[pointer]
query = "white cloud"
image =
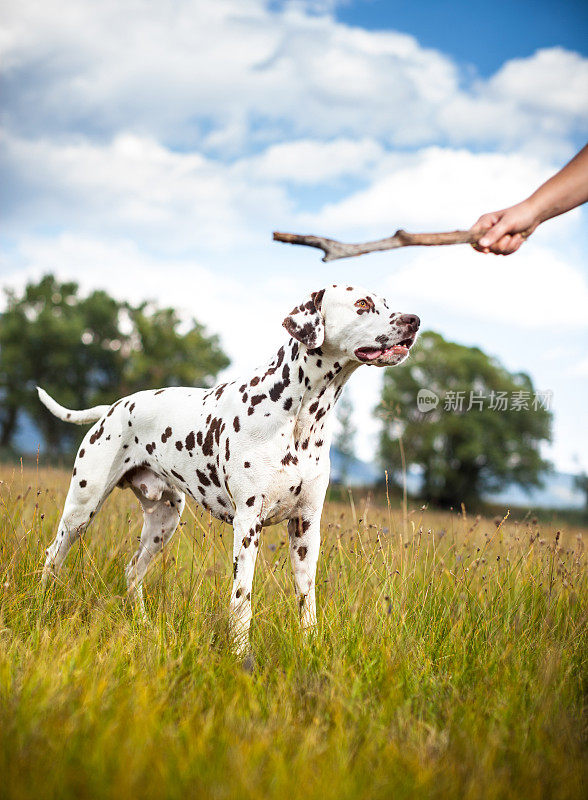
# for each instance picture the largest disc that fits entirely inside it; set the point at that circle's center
(437, 188)
(134, 185)
(308, 161)
(554, 80)
(536, 289)
(580, 369)
(236, 72)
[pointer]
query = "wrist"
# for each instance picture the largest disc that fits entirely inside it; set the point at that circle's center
(535, 210)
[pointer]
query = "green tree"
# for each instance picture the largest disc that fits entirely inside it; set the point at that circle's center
(344, 440)
(69, 345)
(162, 355)
(90, 350)
(462, 450)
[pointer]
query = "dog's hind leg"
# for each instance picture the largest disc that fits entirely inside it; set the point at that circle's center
(84, 498)
(162, 508)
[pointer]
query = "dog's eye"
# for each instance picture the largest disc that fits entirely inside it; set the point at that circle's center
(361, 304)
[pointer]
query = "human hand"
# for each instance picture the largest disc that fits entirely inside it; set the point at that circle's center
(503, 232)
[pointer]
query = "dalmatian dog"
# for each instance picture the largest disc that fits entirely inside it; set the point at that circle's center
(253, 452)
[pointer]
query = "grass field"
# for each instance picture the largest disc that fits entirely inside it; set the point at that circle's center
(450, 660)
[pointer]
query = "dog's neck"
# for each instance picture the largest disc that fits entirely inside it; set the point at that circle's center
(302, 382)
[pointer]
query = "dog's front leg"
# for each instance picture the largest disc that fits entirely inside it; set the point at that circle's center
(246, 531)
(305, 542)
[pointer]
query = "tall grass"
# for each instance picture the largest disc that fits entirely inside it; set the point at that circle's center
(450, 660)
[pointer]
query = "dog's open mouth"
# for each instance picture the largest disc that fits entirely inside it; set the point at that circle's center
(371, 354)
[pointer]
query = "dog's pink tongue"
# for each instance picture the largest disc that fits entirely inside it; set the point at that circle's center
(369, 354)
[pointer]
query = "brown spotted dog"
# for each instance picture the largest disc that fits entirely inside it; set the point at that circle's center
(253, 452)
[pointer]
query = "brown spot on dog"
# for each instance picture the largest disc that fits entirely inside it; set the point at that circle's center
(317, 299)
(112, 408)
(250, 501)
(213, 475)
(302, 551)
(236, 425)
(202, 478)
(276, 391)
(83, 483)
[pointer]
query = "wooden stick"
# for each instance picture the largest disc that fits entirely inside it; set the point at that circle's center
(334, 249)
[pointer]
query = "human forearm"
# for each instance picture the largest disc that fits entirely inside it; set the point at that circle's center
(565, 190)
(503, 232)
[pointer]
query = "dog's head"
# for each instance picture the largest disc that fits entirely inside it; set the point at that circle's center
(356, 323)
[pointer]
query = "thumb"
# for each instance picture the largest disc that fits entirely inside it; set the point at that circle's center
(495, 233)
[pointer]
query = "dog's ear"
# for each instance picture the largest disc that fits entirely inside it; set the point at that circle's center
(306, 322)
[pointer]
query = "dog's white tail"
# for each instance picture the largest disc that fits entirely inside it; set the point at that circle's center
(82, 417)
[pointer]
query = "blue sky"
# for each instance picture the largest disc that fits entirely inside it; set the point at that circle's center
(484, 35)
(151, 149)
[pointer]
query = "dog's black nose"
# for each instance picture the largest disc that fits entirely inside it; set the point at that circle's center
(411, 320)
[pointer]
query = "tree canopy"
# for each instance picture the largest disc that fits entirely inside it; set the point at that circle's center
(468, 423)
(90, 350)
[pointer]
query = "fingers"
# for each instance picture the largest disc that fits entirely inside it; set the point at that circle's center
(497, 232)
(506, 245)
(485, 222)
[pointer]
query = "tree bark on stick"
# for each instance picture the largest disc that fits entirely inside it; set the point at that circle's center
(334, 249)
